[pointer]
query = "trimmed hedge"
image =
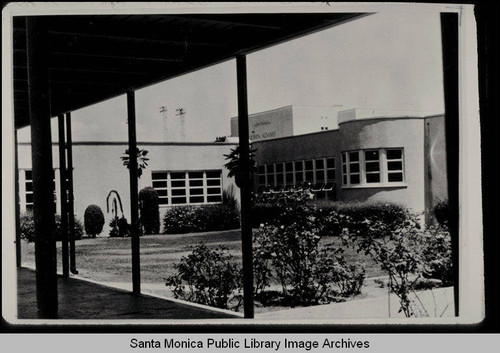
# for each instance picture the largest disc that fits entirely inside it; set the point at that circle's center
(28, 228)
(189, 219)
(93, 220)
(149, 211)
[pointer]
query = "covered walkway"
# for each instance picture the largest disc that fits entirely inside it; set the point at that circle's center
(82, 300)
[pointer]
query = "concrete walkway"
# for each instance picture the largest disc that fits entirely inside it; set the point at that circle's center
(83, 300)
(431, 303)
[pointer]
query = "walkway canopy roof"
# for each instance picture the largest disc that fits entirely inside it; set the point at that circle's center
(96, 57)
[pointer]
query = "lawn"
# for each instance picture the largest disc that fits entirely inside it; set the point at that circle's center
(107, 259)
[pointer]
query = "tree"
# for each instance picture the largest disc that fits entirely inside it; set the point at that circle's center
(142, 160)
(234, 165)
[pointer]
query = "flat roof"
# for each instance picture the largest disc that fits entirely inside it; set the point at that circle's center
(93, 58)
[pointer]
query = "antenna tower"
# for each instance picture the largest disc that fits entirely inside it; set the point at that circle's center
(181, 113)
(164, 110)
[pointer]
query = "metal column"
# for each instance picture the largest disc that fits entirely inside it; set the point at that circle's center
(71, 198)
(449, 33)
(64, 195)
(41, 154)
(245, 187)
(134, 203)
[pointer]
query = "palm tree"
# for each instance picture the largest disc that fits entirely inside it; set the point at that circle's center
(142, 160)
(234, 164)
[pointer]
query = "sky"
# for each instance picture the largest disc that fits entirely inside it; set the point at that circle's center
(389, 61)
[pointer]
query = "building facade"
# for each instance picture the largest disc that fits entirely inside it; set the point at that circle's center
(363, 156)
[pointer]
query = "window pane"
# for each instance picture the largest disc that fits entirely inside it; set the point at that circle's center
(196, 191)
(373, 178)
(213, 174)
(299, 177)
(262, 169)
(196, 199)
(279, 167)
(371, 155)
(279, 178)
(372, 166)
(354, 167)
(178, 175)
(298, 166)
(394, 154)
(344, 179)
(320, 164)
(262, 179)
(309, 165)
(177, 192)
(162, 192)
(309, 176)
(214, 199)
(344, 157)
(320, 175)
(354, 179)
(28, 175)
(395, 165)
(289, 166)
(29, 186)
(330, 163)
(344, 168)
(330, 174)
(353, 156)
(159, 184)
(212, 191)
(155, 175)
(163, 201)
(270, 168)
(213, 182)
(178, 200)
(195, 182)
(394, 177)
(29, 207)
(178, 183)
(29, 198)
(289, 178)
(196, 175)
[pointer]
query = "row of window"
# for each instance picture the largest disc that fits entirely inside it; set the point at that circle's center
(290, 173)
(188, 187)
(361, 167)
(28, 189)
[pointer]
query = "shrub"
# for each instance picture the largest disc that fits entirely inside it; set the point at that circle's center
(207, 276)
(93, 220)
(28, 228)
(442, 212)
(229, 198)
(186, 219)
(149, 211)
(119, 227)
(437, 255)
(308, 274)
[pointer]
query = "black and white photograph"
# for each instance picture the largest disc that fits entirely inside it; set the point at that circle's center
(241, 164)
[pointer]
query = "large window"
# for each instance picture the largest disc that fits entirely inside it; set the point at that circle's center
(188, 187)
(295, 173)
(28, 189)
(374, 167)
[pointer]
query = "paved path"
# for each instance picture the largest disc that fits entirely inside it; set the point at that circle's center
(80, 299)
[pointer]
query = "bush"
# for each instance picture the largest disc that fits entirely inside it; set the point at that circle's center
(119, 227)
(437, 255)
(149, 211)
(308, 274)
(212, 277)
(187, 219)
(28, 228)
(93, 220)
(442, 212)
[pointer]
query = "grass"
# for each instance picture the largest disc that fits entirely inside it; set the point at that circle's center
(109, 259)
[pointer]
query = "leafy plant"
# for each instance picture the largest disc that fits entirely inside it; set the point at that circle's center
(149, 211)
(93, 220)
(186, 219)
(115, 200)
(142, 160)
(442, 212)
(234, 164)
(207, 276)
(28, 228)
(437, 255)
